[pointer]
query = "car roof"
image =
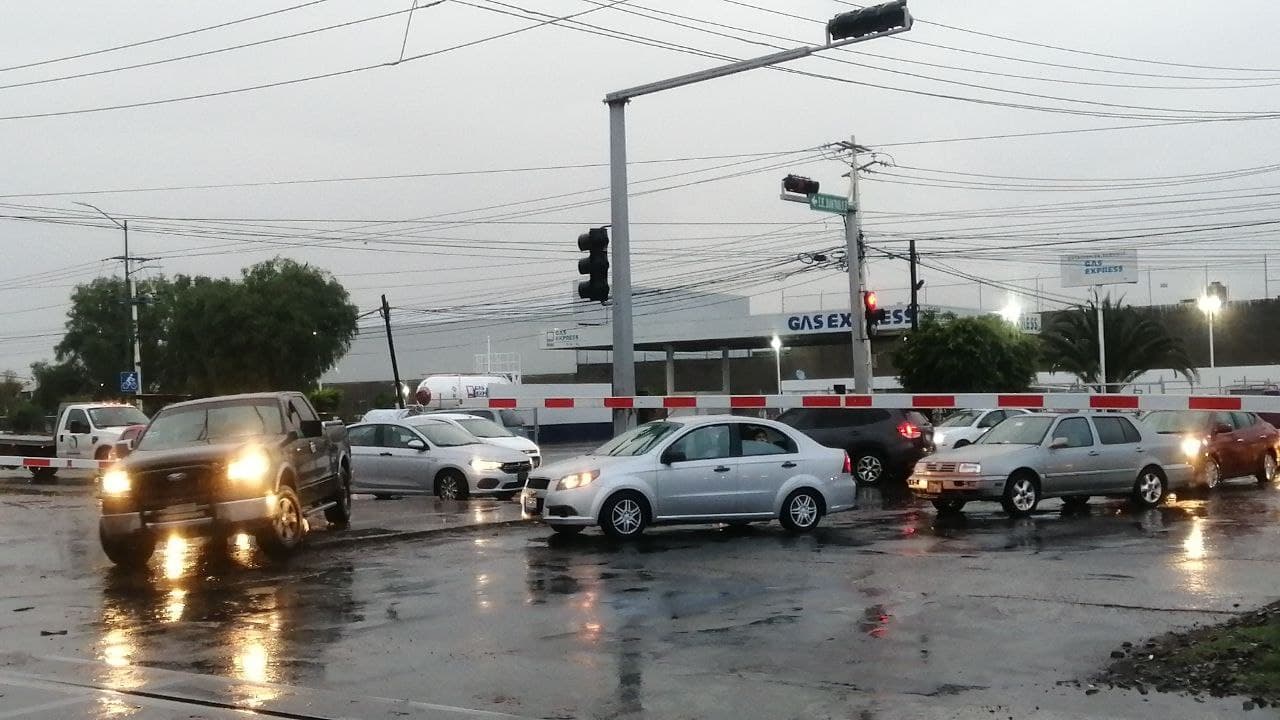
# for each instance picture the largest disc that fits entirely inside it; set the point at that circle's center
(231, 398)
(453, 416)
(723, 417)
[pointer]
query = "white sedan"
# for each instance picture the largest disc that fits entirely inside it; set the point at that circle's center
(964, 427)
(491, 433)
(703, 469)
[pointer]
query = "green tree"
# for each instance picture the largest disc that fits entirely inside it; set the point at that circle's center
(60, 381)
(971, 354)
(1136, 343)
(326, 401)
(97, 336)
(281, 326)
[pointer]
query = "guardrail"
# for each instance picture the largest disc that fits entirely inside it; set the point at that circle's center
(1030, 401)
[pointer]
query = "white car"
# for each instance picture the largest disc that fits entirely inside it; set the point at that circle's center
(701, 469)
(390, 414)
(964, 427)
(425, 456)
(490, 432)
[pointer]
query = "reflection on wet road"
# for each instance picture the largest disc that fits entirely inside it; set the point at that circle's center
(891, 611)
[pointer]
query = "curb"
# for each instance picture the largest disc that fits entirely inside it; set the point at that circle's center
(341, 538)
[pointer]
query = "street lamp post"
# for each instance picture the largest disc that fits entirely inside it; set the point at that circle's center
(133, 301)
(776, 344)
(845, 29)
(1210, 305)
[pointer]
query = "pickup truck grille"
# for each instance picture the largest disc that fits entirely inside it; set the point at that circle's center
(517, 467)
(160, 489)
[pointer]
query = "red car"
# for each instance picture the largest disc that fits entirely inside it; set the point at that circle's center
(1224, 444)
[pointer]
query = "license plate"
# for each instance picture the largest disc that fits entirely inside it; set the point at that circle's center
(935, 486)
(532, 504)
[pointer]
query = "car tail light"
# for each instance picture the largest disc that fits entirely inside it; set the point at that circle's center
(848, 465)
(908, 430)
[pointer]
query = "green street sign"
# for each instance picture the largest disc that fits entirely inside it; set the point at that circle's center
(829, 203)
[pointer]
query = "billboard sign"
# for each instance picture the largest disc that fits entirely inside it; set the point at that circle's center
(1103, 268)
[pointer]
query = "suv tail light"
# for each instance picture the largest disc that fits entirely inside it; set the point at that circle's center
(848, 465)
(908, 430)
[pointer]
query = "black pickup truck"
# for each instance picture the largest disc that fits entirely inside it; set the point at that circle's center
(257, 463)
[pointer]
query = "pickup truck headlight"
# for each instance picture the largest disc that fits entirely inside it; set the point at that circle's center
(251, 467)
(577, 480)
(116, 482)
(973, 468)
(485, 465)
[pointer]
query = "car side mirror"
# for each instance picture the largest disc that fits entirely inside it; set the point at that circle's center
(416, 444)
(311, 428)
(122, 449)
(673, 456)
(1058, 443)
(1221, 428)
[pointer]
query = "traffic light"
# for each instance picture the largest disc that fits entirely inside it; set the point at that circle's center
(871, 310)
(799, 185)
(871, 20)
(595, 265)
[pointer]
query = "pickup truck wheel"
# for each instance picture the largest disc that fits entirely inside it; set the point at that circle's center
(44, 474)
(340, 515)
(284, 533)
(133, 551)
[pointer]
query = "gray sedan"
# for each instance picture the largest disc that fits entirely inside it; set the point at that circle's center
(1072, 456)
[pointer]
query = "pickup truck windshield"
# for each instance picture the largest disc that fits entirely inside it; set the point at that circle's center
(212, 423)
(120, 416)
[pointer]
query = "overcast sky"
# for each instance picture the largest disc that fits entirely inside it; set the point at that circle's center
(532, 99)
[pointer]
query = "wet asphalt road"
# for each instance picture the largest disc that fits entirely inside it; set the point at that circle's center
(887, 612)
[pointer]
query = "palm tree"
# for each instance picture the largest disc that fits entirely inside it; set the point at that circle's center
(1135, 342)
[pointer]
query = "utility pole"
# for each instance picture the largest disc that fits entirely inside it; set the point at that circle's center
(853, 251)
(131, 291)
(915, 286)
(1266, 280)
(391, 347)
(624, 348)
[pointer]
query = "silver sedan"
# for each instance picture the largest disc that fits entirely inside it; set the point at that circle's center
(1072, 456)
(703, 469)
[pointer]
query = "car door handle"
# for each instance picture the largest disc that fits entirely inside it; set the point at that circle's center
(1239, 439)
(1094, 453)
(788, 464)
(1137, 449)
(722, 468)
(384, 454)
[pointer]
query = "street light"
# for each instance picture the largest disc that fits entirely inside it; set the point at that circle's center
(846, 29)
(1210, 305)
(1011, 312)
(130, 290)
(776, 344)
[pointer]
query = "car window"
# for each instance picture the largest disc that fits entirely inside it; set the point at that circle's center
(1021, 430)
(963, 418)
(395, 436)
(363, 436)
(301, 409)
(637, 441)
(762, 440)
(817, 418)
(1225, 418)
(77, 416)
(483, 428)
(704, 443)
(992, 418)
(441, 433)
(1176, 422)
(1243, 419)
(1076, 431)
(1111, 430)
(210, 423)
(1131, 433)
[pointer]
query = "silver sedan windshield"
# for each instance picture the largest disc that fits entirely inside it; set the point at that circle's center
(1021, 430)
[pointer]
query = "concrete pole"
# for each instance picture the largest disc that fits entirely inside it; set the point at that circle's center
(671, 370)
(724, 370)
(624, 366)
(1102, 341)
(853, 244)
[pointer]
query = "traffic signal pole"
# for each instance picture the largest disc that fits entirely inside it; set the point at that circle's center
(848, 28)
(853, 250)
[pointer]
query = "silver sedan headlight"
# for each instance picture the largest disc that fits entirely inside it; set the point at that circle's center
(973, 468)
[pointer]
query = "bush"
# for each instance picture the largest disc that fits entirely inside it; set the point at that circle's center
(26, 417)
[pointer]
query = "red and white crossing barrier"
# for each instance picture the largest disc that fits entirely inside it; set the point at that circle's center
(1033, 401)
(54, 463)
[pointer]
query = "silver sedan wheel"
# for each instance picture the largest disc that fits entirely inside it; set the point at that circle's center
(803, 510)
(1150, 488)
(870, 469)
(449, 487)
(627, 517)
(1024, 495)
